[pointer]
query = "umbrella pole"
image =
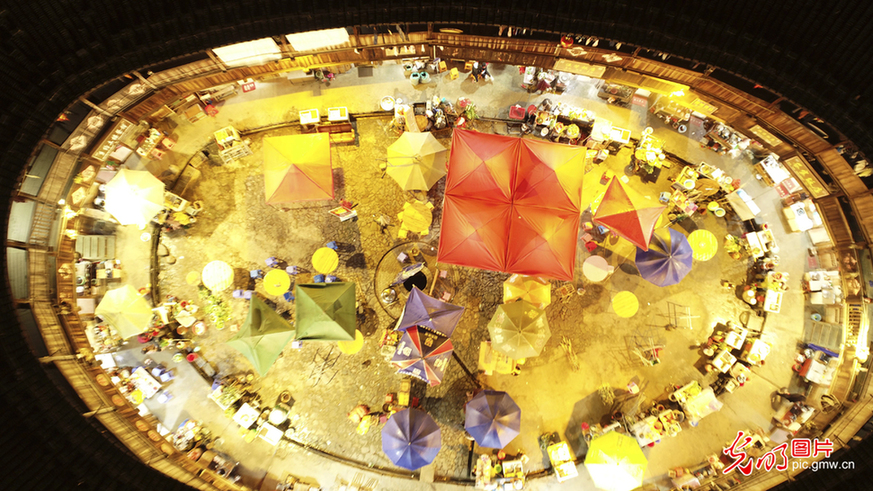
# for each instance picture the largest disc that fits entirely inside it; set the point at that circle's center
(466, 370)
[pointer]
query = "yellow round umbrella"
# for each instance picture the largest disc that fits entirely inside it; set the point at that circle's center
(625, 304)
(277, 282)
(534, 289)
(325, 260)
(416, 161)
(352, 347)
(703, 244)
(615, 462)
(192, 278)
(125, 310)
(134, 197)
(217, 276)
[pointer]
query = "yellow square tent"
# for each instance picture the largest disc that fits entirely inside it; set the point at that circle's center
(297, 168)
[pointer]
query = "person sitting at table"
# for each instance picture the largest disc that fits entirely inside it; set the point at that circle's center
(480, 70)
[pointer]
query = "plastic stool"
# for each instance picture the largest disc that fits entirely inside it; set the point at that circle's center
(256, 273)
(237, 294)
(288, 296)
(319, 278)
(453, 74)
(443, 66)
(664, 197)
(291, 270)
(468, 66)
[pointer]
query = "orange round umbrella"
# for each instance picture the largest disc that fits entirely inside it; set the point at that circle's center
(325, 260)
(277, 282)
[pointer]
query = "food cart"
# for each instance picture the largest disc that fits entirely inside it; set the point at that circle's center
(562, 461)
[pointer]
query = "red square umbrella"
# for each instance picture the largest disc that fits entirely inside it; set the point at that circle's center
(512, 205)
(628, 214)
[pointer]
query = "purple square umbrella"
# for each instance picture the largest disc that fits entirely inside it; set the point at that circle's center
(493, 419)
(422, 310)
(411, 439)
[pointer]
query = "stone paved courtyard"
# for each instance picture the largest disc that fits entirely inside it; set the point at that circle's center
(236, 226)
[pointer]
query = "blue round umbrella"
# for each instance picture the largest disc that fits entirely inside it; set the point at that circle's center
(411, 439)
(668, 259)
(493, 419)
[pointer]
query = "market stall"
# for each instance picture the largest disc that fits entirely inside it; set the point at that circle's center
(700, 405)
(562, 461)
(823, 287)
(771, 170)
(649, 157)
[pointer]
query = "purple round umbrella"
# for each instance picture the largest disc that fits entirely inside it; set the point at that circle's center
(668, 259)
(493, 419)
(411, 439)
(422, 310)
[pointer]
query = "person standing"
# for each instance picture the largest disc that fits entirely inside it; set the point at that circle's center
(784, 394)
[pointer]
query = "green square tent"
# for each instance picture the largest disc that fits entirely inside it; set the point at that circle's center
(262, 336)
(326, 312)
